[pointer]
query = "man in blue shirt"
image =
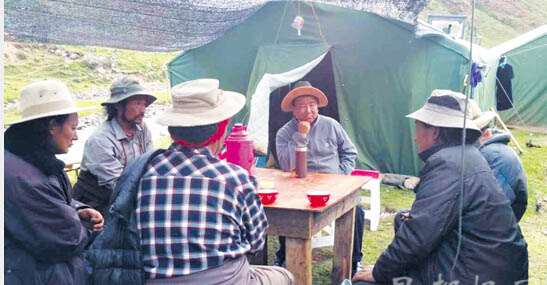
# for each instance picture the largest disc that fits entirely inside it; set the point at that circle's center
(329, 149)
(116, 142)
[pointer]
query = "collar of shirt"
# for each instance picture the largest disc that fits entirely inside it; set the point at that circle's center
(118, 131)
(190, 151)
(424, 155)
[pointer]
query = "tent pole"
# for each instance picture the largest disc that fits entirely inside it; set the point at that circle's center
(468, 94)
(507, 130)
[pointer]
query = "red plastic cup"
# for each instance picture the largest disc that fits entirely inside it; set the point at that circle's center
(267, 196)
(318, 198)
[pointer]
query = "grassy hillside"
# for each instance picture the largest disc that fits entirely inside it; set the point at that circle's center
(495, 21)
(85, 70)
(80, 68)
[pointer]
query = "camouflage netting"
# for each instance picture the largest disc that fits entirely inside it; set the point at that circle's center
(154, 25)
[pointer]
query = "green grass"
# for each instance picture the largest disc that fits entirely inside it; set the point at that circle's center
(532, 224)
(153, 64)
(41, 65)
(163, 97)
(28, 63)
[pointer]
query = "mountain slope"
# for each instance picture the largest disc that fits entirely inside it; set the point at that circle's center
(496, 21)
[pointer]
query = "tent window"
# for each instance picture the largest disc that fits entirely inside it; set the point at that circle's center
(321, 77)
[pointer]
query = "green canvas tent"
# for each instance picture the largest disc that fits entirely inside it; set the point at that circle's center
(528, 56)
(374, 71)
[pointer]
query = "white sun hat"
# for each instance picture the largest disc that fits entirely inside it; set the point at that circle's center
(44, 99)
(445, 108)
(200, 102)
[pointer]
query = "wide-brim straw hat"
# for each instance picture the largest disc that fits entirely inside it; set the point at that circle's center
(303, 88)
(45, 99)
(127, 87)
(200, 102)
(481, 119)
(445, 108)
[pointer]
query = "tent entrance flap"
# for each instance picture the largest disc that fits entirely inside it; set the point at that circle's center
(275, 67)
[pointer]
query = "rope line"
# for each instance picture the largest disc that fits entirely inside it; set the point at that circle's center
(281, 22)
(464, 136)
(318, 25)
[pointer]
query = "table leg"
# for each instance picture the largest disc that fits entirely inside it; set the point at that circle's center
(298, 259)
(343, 247)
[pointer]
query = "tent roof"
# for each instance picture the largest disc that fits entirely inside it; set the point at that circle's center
(379, 74)
(519, 41)
(480, 54)
(155, 25)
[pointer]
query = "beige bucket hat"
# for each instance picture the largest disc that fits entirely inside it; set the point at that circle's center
(481, 119)
(445, 108)
(44, 99)
(303, 88)
(200, 102)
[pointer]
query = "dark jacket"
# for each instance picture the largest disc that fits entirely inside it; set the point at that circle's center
(115, 256)
(508, 170)
(424, 247)
(44, 238)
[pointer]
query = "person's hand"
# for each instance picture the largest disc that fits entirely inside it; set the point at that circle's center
(364, 275)
(91, 219)
(304, 127)
(405, 216)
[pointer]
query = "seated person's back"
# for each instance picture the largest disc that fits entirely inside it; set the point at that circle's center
(195, 212)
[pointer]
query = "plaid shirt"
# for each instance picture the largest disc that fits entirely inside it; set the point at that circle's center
(195, 212)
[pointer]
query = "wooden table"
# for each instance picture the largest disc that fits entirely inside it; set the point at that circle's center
(292, 216)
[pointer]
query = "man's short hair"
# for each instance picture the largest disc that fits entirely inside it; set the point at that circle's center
(454, 136)
(195, 134)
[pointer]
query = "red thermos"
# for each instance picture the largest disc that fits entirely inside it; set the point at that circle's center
(240, 148)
